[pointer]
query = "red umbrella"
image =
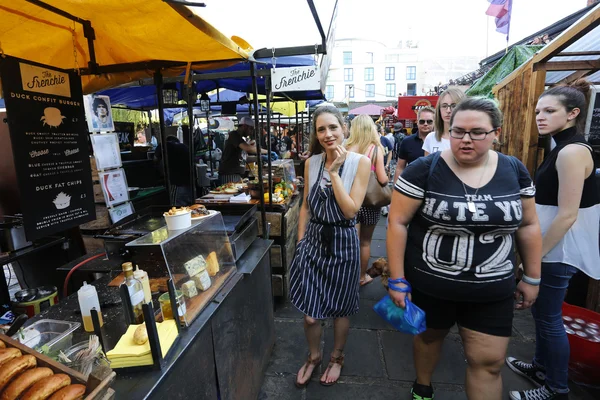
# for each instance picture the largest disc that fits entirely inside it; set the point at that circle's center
(369, 109)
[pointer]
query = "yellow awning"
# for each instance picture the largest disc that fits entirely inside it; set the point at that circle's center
(126, 31)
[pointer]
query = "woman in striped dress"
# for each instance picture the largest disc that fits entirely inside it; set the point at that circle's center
(324, 279)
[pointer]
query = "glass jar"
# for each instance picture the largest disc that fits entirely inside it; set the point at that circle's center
(165, 305)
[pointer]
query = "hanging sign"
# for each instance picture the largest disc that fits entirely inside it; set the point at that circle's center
(295, 79)
(45, 113)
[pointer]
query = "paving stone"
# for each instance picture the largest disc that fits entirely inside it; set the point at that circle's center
(511, 381)
(288, 311)
(398, 354)
(363, 357)
(373, 291)
(524, 324)
(290, 349)
(378, 248)
(346, 391)
(380, 233)
(367, 318)
(280, 387)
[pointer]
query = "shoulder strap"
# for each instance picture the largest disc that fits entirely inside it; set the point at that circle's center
(374, 155)
(434, 161)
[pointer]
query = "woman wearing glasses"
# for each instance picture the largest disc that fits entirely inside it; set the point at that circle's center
(439, 139)
(452, 221)
(567, 205)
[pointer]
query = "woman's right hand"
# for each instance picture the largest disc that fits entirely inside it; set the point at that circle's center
(399, 298)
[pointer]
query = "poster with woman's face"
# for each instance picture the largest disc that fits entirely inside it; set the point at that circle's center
(98, 113)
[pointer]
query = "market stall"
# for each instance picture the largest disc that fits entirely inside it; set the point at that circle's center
(572, 55)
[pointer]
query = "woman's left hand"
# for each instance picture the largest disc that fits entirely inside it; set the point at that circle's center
(526, 292)
(340, 153)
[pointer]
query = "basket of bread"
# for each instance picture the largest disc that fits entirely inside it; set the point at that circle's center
(28, 375)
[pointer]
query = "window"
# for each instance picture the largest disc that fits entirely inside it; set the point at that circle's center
(350, 91)
(348, 74)
(390, 90)
(329, 92)
(369, 74)
(411, 73)
(390, 73)
(411, 89)
(369, 58)
(392, 57)
(347, 57)
(370, 90)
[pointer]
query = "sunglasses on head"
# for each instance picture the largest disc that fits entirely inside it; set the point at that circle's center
(425, 121)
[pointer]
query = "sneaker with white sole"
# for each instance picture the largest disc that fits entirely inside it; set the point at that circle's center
(527, 370)
(541, 393)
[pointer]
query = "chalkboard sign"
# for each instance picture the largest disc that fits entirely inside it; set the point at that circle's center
(594, 125)
(126, 134)
(46, 120)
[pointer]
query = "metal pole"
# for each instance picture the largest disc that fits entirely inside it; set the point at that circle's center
(163, 131)
(297, 132)
(190, 111)
(258, 150)
(268, 103)
(301, 142)
(210, 161)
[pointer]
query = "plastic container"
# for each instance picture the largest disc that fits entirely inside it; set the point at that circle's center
(142, 276)
(179, 221)
(88, 299)
(47, 336)
(584, 362)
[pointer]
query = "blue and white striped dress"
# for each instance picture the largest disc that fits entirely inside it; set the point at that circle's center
(325, 272)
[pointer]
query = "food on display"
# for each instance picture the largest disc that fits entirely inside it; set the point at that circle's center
(71, 392)
(198, 211)
(195, 265)
(2, 345)
(46, 387)
(229, 188)
(212, 264)
(177, 211)
(276, 198)
(140, 336)
(8, 354)
(202, 280)
(24, 381)
(189, 289)
(15, 367)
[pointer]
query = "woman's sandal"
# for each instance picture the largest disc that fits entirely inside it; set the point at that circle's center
(334, 360)
(309, 361)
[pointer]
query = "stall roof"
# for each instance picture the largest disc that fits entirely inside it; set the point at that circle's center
(369, 109)
(132, 38)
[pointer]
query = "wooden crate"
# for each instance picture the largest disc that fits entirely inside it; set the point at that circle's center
(96, 389)
(593, 297)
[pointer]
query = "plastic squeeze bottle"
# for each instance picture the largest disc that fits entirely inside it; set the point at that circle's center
(88, 299)
(142, 276)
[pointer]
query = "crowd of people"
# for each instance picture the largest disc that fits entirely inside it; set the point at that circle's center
(459, 214)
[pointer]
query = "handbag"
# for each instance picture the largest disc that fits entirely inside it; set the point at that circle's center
(378, 195)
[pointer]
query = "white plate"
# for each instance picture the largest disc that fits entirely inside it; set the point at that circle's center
(210, 212)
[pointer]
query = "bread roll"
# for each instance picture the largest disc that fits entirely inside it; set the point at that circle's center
(14, 367)
(9, 354)
(47, 387)
(212, 264)
(71, 392)
(24, 381)
(2, 345)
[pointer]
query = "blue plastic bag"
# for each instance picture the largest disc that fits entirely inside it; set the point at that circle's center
(409, 320)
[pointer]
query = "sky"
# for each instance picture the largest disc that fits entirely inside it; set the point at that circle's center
(443, 27)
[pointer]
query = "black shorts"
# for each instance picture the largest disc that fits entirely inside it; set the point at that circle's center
(492, 318)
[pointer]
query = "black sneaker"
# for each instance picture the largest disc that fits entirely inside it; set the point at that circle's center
(527, 370)
(541, 393)
(421, 392)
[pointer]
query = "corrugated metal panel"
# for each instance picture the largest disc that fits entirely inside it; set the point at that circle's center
(594, 78)
(589, 42)
(556, 76)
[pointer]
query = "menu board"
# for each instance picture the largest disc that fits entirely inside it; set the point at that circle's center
(594, 120)
(46, 119)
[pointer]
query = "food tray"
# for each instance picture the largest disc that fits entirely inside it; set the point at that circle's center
(47, 335)
(96, 389)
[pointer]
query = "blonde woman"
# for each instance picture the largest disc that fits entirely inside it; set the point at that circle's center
(365, 140)
(439, 140)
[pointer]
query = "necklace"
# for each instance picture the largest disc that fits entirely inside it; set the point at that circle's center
(471, 203)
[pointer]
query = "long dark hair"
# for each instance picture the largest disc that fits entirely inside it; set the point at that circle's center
(571, 96)
(315, 147)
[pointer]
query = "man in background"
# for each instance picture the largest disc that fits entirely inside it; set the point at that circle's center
(411, 147)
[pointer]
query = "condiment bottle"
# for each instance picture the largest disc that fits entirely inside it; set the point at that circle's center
(142, 276)
(88, 299)
(136, 293)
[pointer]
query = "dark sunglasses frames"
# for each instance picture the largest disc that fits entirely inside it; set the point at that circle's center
(425, 121)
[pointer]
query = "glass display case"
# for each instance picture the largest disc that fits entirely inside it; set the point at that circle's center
(284, 169)
(198, 259)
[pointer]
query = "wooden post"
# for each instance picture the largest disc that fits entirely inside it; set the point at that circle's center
(530, 134)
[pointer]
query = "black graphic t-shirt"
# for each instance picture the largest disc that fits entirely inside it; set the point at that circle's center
(458, 251)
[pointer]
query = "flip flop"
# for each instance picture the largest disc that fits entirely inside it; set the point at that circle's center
(333, 360)
(315, 363)
(366, 281)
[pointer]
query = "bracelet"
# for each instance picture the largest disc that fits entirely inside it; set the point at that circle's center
(531, 281)
(392, 282)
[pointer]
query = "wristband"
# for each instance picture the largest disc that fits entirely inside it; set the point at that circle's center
(531, 281)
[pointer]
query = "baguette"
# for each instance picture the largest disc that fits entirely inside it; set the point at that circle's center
(24, 381)
(71, 392)
(2, 345)
(9, 354)
(14, 367)
(47, 387)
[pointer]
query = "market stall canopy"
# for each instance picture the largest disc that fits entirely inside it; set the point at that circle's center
(369, 109)
(131, 38)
